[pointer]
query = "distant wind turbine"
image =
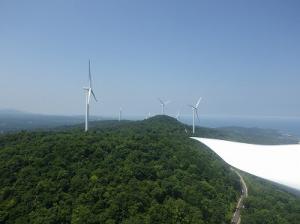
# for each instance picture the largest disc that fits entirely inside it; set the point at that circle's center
(120, 114)
(163, 104)
(178, 115)
(88, 92)
(148, 115)
(195, 111)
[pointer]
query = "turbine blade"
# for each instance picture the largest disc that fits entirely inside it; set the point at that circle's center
(197, 115)
(89, 96)
(160, 100)
(198, 102)
(90, 76)
(94, 95)
(189, 105)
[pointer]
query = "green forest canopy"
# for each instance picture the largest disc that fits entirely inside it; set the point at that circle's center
(124, 172)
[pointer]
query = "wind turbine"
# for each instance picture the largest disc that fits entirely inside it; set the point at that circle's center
(178, 115)
(148, 115)
(120, 114)
(88, 92)
(195, 111)
(163, 104)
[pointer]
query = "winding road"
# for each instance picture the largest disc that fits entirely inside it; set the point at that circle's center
(236, 219)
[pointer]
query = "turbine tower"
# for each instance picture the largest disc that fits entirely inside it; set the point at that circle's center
(88, 92)
(120, 114)
(163, 104)
(195, 112)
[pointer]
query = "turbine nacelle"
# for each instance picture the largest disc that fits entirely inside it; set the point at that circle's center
(164, 102)
(195, 108)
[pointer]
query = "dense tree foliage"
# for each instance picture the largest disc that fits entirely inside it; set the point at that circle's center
(131, 172)
(269, 203)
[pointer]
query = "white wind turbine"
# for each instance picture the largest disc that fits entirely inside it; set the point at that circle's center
(195, 112)
(148, 115)
(88, 92)
(120, 114)
(163, 104)
(178, 115)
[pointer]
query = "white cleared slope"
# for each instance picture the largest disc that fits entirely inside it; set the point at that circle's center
(278, 163)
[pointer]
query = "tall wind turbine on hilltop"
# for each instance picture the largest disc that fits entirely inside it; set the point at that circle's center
(195, 112)
(163, 104)
(88, 92)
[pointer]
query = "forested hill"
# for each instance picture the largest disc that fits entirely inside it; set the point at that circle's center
(128, 172)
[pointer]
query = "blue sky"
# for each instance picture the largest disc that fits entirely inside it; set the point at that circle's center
(241, 56)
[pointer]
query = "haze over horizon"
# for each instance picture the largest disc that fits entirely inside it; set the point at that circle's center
(241, 57)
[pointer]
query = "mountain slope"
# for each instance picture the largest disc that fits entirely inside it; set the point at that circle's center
(133, 172)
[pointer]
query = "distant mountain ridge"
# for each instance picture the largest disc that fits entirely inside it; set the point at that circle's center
(11, 112)
(14, 120)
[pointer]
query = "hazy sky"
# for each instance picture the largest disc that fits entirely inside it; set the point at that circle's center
(242, 57)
